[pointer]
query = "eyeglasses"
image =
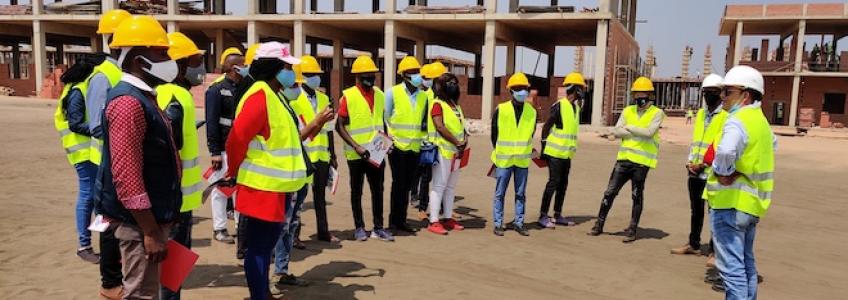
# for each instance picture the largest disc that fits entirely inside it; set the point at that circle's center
(728, 90)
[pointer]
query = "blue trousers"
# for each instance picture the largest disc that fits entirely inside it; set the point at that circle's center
(734, 232)
(503, 176)
(260, 240)
(86, 171)
(282, 251)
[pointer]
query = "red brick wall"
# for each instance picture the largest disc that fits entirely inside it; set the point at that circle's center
(22, 87)
(825, 9)
(784, 10)
(779, 89)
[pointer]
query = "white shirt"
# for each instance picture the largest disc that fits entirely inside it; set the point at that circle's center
(734, 139)
(137, 82)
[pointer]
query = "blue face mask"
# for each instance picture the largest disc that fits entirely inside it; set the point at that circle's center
(734, 108)
(242, 71)
(416, 79)
(313, 81)
(286, 78)
(520, 95)
(291, 93)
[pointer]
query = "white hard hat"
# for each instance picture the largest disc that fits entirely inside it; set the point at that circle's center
(712, 80)
(746, 77)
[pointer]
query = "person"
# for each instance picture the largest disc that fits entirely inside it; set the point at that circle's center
(513, 127)
(638, 127)
(423, 174)
(360, 119)
(708, 124)
(266, 159)
(405, 110)
(136, 187)
(244, 84)
(220, 110)
(689, 115)
(559, 143)
(739, 190)
(446, 127)
(72, 124)
(176, 101)
(222, 60)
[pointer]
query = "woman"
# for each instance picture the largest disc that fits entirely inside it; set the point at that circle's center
(446, 128)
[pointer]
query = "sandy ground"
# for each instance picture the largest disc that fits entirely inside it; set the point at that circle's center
(799, 242)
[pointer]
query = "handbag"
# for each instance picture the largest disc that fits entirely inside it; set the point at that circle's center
(428, 154)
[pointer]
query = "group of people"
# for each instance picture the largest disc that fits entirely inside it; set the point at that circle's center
(127, 122)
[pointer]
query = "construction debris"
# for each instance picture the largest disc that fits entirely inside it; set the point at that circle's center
(6, 91)
(15, 10)
(466, 9)
(524, 9)
(158, 7)
(82, 8)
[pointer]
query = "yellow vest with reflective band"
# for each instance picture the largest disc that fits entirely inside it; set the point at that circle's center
(219, 79)
(513, 146)
(77, 146)
(113, 73)
(405, 122)
(562, 143)
(702, 137)
(640, 150)
(751, 192)
(191, 182)
(454, 122)
(319, 148)
(364, 123)
(275, 164)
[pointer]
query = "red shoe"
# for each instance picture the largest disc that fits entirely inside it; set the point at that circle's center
(437, 228)
(452, 224)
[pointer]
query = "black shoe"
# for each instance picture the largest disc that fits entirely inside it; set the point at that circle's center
(521, 230)
(499, 231)
(597, 229)
(87, 254)
(630, 235)
(291, 280)
(718, 287)
(298, 244)
(403, 227)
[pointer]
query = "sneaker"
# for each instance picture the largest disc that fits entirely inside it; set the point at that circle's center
(684, 250)
(360, 234)
(87, 254)
(630, 235)
(329, 238)
(290, 280)
(499, 230)
(561, 220)
(521, 230)
(452, 224)
(437, 228)
(545, 222)
(223, 236)
(298, 244)
(382, 234)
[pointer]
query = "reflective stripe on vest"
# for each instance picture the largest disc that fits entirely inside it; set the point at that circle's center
(513, 146)
(636, 149)
(703, 135)
(191, 180)
(405, 121)
(318, 149)
(454, 122)
(77, 146)
(364, 122)
(562, 142)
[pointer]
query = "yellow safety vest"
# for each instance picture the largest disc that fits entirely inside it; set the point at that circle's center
(191, 182)
(562, 143)
(77, 146)
(513, 146)
(113, 74)
(702, 137)
(454, 122)
(640, 150)
(751, 192)
(219, 79)
(364, 123)
(275, 164)
(405, 122)
(319, 148)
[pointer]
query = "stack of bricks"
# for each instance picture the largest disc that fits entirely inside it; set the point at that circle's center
(15, 9)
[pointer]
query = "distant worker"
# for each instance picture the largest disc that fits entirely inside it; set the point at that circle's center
(360, 119)
(689, 115)
(559, 143)
(740, 187)
(638, 127)
(513, 127)
(225, 68)
(421, 182)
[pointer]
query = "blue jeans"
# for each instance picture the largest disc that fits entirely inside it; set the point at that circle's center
(260, 239)
(734, 233)
(86, 171)
(282, 250)
(503, 176)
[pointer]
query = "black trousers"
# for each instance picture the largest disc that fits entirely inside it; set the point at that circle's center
(421, 186)
(403, 164)
(319, 193)
(622, 172)
(359, 169)
(696, 203)
(557, 185)
(180, 233)
(110, 259)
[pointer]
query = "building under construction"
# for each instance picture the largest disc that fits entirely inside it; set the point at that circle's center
(37, 39)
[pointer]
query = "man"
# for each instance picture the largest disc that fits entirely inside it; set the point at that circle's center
(421, 182)
(740, 186)
(708, 124)
(221, 105)
(559, 142)
(513, 127)
(176, 101)
(405, 112)
(360, 119)
(638, 127)
(225, 55)
(137, 186)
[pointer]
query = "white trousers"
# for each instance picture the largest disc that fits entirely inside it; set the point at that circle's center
(442, 190)
(219, 203)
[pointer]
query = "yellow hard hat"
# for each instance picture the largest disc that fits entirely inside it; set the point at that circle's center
(309, 65)
(298, 73)
(517, 79)
(574, 78)
(180, 46)
(363, 64)
(250, 53)
(111, 19)
(433, 70)
(139, 31)
(229, 51)
(408, 63)
(642, 84)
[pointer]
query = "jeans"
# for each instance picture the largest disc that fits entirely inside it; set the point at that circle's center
(503, 175)
(403, 164)
(558, 170)
(180, 233)
(359, 169)
(442, 194)
(282, 251)
(696, 202)
(421, 186)
(734, 233)
(86, 171)
(110, 259)
(319, 192)
(261, 238)
(622, 172)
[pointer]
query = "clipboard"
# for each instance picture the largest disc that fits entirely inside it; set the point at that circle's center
(177, 265)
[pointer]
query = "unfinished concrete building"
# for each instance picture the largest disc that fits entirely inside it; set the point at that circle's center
(477, 28)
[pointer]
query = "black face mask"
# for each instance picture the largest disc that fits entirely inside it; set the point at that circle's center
(452, 91)
(577, 90)
(712, 99)
(641, 101)
(368, 81)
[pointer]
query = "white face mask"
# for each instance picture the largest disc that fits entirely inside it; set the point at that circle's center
(166, 70)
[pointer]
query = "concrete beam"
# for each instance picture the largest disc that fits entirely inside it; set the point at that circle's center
(173, 7)
(488, 92)
(737, 43)
(66, 29)
(600, 72)
(299, 40)
(389, 49)
(362, 41)
(796, 80)
(15, 30)
(274, 30)
(39, 52)
(446, 39)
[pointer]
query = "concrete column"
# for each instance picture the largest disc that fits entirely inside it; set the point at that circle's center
(297, 6)
(510, 57)
(96, 46)
(737, 44)
(299, 40)
(799, 45)
(391, 7)
(600, 72)
(252, 34)
(173, 27)
(338, 68)
(252, 7)
(420, 51)
(796, 80)
(488, 92)
(389, 49)
(107, 5)
(491, 6)
(173, 7)
(219, 47)
(604, 5)
(338, 5)
(37, 8)
(39, 54)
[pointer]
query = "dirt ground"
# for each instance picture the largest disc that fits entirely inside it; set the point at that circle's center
(799, 243)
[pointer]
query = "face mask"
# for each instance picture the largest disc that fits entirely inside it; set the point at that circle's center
(195, 75)
(520, 95)
(577, 91)
(165, 71)
(291, 93)
(313, 81)
(286, 78)
(452, 91)
(242, 71)
(641, 101)
(367, 81)
(428, 83)
(712, 99)
(415, 79)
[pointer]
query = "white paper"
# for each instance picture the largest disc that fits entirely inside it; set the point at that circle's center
(219, 174)
(378, 147)
(333, 182)
(99, 224)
